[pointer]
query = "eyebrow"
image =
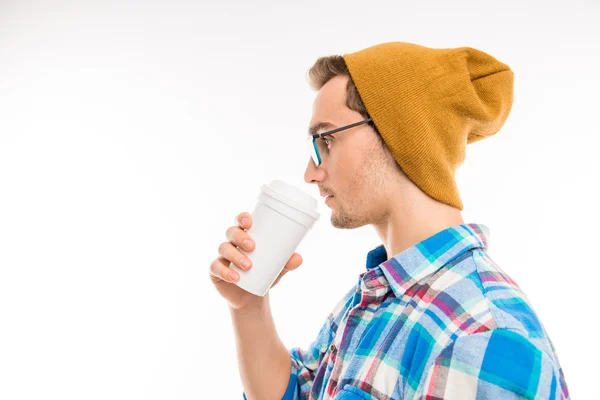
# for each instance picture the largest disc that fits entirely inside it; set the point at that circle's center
(313, 130)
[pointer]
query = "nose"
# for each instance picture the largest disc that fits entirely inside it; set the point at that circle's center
(313, 174)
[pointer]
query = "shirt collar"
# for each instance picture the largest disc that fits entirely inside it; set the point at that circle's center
(422, 260)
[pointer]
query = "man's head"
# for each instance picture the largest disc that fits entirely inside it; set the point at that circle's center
(357, 168)
(425, 106)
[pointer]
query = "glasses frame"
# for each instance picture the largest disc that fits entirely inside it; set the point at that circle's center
(316, 155)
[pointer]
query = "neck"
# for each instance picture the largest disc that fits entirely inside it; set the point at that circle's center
(413, 220)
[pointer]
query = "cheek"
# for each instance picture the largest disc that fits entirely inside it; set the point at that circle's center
(352, 161)
(347, 168)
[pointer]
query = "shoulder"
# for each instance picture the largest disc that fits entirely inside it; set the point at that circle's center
(478, 285)
(500, 363)
(509, 305)
(476, 295)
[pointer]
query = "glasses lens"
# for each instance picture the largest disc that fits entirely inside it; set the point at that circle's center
(322, 148)
(314, 152)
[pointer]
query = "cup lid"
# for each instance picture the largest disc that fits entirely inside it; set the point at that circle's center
(293, 196)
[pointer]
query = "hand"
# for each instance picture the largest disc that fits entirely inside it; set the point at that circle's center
(222, 276)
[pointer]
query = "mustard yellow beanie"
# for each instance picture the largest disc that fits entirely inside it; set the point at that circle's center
(428, 104)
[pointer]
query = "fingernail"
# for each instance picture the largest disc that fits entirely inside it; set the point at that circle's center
(247, 244)
(233, 275)
(246, 263)
(245, 221)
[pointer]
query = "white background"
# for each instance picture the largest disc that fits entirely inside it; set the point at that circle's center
(132, 133)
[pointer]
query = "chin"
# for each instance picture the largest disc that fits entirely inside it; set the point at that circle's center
(342, 221)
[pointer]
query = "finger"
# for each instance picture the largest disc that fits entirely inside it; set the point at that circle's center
(244, 220)
(229, 252)
(220, 269)
(240, 238)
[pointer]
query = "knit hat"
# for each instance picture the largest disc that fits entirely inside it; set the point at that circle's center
(428, 104)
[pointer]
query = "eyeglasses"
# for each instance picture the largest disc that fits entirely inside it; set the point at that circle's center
(318, 147)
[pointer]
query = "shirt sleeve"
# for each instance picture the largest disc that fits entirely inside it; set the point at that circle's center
(497, 364)
(306, 361)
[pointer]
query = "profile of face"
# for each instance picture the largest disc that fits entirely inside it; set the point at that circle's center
(355, 169)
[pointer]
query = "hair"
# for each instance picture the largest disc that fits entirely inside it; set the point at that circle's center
(328, 67)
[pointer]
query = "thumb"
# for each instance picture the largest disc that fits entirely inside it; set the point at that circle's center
(294, 262)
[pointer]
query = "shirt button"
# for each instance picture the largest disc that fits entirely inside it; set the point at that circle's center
(332, 348)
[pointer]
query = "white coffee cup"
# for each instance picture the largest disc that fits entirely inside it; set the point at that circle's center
(282, 217)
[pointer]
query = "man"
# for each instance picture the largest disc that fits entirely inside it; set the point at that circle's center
(433, 316)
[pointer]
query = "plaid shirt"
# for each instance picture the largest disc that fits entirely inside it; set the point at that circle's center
(439, 320)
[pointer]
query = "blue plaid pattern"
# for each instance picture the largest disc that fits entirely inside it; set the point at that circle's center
(439, 320)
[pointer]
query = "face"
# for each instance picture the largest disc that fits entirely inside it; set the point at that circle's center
(355, 167)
